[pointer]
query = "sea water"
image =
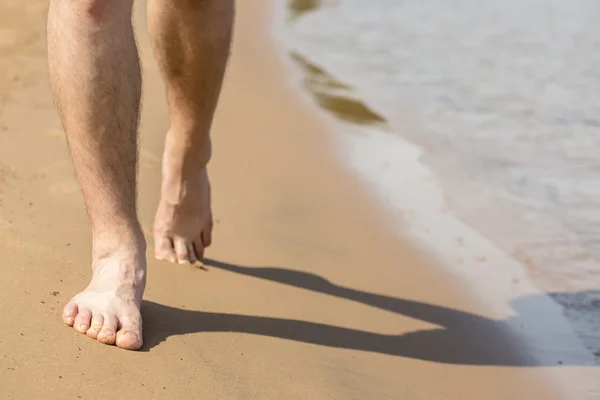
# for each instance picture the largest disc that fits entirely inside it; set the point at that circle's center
(485, 109)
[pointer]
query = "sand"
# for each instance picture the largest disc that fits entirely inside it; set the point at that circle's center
(306, 294)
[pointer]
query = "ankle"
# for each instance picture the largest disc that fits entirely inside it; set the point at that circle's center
(118, 240)
(186, 151)
(120, 258)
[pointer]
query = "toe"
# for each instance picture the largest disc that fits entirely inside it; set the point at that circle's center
(163, 249)
(109, 330)
(199, 247)
(96, 326)
(207, 235)
(129, 336)
(192, 253)
(83, 320)
(181, 250)
(70, 313)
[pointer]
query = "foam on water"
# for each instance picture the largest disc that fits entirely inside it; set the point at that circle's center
(477, 122)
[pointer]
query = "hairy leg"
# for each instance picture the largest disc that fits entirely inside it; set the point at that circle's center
(96, 80)
(191, 39)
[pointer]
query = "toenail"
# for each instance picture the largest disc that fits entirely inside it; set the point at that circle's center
(131, 335)
(69, 320)
(82, 326)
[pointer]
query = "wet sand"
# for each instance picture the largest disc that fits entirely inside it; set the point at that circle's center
(305, 295)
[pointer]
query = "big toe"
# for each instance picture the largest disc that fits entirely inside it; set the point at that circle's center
(129, 336)
(129, 340)
(163, 249)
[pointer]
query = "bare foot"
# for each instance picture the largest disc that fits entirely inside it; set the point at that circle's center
(183, 222)
(109, 308)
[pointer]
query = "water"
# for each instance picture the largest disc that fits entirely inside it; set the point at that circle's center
(502, 99)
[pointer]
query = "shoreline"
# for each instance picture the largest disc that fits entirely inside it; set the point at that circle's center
(440, 205)
(306, 294)
(425, 221)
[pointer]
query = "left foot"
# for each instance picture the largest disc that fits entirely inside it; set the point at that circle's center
(183, 222)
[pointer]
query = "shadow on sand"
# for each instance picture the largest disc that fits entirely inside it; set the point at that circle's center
(462, 338)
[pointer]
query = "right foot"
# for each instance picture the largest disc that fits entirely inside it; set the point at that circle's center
(108, 310)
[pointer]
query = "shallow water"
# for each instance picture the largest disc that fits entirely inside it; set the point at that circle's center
(503, 99)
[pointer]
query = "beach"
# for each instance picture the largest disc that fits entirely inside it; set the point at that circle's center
(306, 293)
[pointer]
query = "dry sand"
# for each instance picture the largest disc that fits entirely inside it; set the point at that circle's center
(306, 295)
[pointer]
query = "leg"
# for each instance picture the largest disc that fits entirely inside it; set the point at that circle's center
(191, 39)
(95, 76)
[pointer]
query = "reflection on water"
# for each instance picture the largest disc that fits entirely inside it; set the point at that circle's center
(322, 86)
(300, 7)
(318, 76)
